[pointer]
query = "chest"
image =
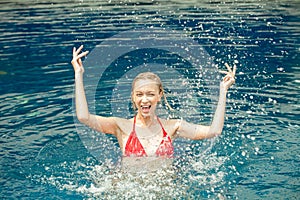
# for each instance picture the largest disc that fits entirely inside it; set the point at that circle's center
(149, 137)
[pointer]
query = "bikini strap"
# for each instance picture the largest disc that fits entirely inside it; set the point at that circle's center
(164, 132)
(134, 121)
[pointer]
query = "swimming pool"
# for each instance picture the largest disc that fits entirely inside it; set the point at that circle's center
(257, 156)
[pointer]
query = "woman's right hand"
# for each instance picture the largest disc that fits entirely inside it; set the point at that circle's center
(76, 61)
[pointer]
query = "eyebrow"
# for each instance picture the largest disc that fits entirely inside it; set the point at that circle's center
(149, 91)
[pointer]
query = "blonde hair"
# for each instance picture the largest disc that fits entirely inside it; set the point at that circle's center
(153, 77)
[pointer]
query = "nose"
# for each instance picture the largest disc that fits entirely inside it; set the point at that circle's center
(144, 98)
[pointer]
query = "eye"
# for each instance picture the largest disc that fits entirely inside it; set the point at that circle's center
(151, 94)
(139, 94)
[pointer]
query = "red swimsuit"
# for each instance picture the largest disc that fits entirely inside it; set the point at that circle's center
(135, 148)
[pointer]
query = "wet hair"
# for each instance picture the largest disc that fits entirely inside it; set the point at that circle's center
(152, 77)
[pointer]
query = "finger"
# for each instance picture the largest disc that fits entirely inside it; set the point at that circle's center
(229, 80)
(83, 54)
(79, 49)
(234, 69)
(228, 67)
(229, 76)
(223, 72)
(232, 79)
(225, 79)
(74, 52)
(80, 62)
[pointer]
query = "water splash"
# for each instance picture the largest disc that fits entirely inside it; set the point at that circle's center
(193, 175)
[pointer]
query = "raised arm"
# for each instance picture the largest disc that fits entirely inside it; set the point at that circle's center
(102, 124)
(197, 132)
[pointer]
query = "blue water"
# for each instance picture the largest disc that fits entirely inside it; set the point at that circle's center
(43, 155)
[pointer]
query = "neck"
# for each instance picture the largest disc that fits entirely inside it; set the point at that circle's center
(146, 120)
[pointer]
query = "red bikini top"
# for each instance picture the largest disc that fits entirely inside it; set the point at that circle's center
(135, 148)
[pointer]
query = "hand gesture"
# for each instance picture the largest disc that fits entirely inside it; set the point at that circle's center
(76, 61)
(229, 79)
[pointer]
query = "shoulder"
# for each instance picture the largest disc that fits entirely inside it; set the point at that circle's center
(124, 125)
(171, 122)
(121, 121)
(171, 125)
(109, 125)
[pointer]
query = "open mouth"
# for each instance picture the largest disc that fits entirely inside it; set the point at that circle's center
(146, 108)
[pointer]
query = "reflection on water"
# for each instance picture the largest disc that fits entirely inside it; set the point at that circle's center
(256, 156)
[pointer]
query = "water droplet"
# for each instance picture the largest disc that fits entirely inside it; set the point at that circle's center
(243, 153)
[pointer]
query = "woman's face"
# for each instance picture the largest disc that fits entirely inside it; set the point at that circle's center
(146, 95)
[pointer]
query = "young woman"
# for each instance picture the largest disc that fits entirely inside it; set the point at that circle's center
(146, 135)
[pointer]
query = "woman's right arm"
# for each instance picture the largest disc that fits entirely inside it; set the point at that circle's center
(102, 124)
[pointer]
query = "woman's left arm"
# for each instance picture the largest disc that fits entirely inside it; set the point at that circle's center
(197, 132)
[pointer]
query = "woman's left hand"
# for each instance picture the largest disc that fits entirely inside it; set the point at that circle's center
(229, 78)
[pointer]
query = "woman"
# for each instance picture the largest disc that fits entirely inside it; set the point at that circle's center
(146, 135)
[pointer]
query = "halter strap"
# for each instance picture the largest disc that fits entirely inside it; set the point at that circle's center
(134, 121)
(164, 132)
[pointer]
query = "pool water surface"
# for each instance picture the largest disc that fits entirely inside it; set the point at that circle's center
(46, 154)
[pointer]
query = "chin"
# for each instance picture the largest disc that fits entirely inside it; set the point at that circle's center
(145, 115)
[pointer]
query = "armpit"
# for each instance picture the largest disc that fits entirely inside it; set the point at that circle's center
(177, 126)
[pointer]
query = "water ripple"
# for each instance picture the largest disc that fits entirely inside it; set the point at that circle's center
(261, 131)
